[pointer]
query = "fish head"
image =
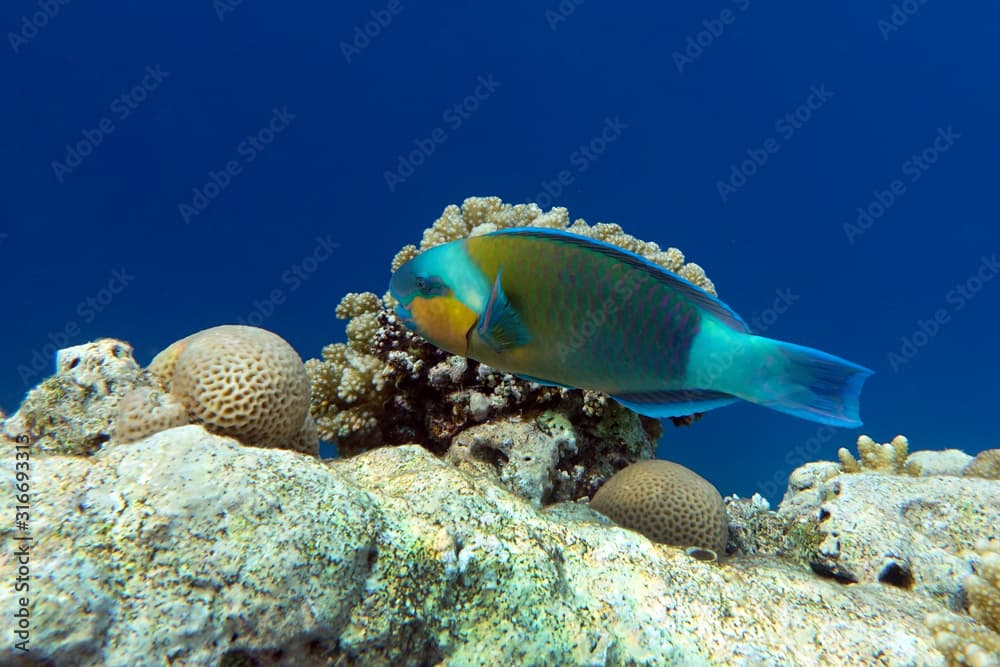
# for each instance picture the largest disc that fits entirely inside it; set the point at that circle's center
(427, 290)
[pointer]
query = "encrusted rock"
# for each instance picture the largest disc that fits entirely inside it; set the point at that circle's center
(911, 532)
(72, 412)
(928, 463)
(190, 549)
(525, 455)
(187, 548)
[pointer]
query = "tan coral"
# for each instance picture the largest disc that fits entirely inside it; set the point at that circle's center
(888, 457)
(963, 643)
(240, 381)
(960, 640)
(983, 588)
(986, 464)
(667, 503)
(145, 411)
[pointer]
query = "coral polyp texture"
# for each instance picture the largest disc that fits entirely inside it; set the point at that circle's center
(964, 642)
(244, 382)
(983, 588)
(386, 385)
(145, 411)
(667, 503)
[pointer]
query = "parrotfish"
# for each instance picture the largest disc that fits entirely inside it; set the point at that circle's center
(565, 310)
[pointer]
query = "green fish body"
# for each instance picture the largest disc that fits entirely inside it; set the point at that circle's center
(566, 310)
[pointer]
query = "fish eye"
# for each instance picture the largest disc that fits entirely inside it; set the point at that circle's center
(430, 285)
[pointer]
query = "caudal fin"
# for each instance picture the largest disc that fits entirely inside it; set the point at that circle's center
(808, 383)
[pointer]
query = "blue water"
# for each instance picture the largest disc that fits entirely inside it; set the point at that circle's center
(745, 134)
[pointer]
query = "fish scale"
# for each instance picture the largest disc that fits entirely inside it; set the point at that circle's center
(562, 297)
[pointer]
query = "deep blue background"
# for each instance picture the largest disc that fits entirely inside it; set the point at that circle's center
(324, 176)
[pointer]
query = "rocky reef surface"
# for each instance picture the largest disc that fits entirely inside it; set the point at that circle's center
(192, 548)
(189, 548)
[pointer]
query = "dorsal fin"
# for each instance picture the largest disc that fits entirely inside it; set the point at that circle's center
(690, 291)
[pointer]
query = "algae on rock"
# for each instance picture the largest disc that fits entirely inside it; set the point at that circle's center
(396, 557)
(72, 411)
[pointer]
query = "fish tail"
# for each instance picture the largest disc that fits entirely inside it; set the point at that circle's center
(806, 383)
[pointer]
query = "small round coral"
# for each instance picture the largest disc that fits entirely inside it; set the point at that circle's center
(244, 382)
(145, 411)
(667, 503)
(986, 464)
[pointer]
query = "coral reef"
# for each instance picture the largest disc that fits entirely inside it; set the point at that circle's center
(986, 464)
(188, 548)
(244, 382)
(72, 411)
(667, 503)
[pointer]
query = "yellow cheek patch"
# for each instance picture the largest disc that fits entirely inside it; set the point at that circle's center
(444, 321)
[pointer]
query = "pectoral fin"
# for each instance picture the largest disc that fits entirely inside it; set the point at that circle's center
(500, 326)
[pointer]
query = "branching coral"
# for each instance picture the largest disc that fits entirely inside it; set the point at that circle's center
(983, 588)
(385, 385)
(872, 457)
(964, 642)
(480, 215)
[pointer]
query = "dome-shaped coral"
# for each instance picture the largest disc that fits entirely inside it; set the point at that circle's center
(243, 382)
(667, 503)
(145, 411)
